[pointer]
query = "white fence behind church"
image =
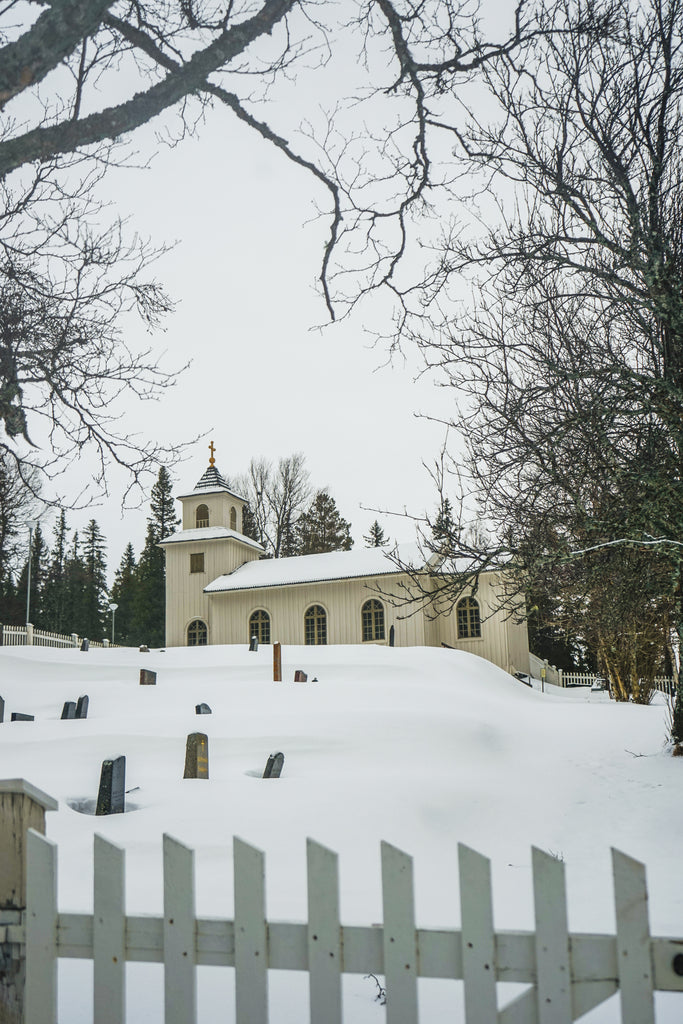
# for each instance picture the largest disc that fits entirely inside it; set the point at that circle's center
(22, 636)
(568, 974)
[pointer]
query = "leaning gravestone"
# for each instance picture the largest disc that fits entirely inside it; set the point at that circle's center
(300, 677)
(111, 797)
(202, 709)
(82, 706)
(274, 766)
(69, 709)
(2, 709)
(85, 645)
(148, 677)
(17, 716)
(197, 756)
(253, 644)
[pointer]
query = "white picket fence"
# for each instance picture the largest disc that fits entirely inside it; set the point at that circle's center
(22, 636)
(568, 974)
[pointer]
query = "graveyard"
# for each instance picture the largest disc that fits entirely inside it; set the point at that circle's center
(421, 747)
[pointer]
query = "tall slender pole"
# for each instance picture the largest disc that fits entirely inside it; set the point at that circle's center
(28, 584)
(112, 609)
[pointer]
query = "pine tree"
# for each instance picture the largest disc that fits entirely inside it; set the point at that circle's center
(38, 556)
(321, 528)
(54, 596)
(677, 716)
(444, 530)
(375, 537)
(123, 593)
(150, 593)
(96, 603)
(75, 589)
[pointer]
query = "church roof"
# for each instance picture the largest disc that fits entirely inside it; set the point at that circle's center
(210, 533)
(333, 565)
(211, 482)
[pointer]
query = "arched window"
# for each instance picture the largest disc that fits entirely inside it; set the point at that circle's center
(202, 516)
(469, 622)
(315, 625)
(233, 518)
(197, 634)
(372, 618)
(259, 626)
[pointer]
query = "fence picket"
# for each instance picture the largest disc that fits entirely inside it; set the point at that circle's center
(109, 933)
(400, 947)
(478, 942)
(324, 935)
(552, 940)
(41, 930)
(251, 939)
(634, 956)
(180, 986)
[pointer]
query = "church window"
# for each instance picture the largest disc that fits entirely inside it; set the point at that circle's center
(469, 621)
(202, 516)
(372, 617)
(233, 518)
(197, 562)
(259, 626)
(197, 634)
(315, 625)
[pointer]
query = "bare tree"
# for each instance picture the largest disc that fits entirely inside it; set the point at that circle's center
(277, 495)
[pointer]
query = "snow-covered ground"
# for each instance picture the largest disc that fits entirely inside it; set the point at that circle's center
(422, 747)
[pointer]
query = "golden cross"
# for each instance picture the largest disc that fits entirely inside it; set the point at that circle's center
(212, 461)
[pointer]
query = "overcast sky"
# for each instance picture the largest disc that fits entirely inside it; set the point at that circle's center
(266, 379)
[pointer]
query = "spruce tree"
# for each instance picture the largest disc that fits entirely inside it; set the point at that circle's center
(677, 716)
(54, 595)
(96, 603)
(150, 594)
(444, 530)
(321, 528)
(375, 537)
(123, 593)
(38, 556)
(75, 589)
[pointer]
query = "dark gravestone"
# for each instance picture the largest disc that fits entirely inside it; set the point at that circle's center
(69, 709)
(197, 756)
(147, 677)
(253, 644)
(274, 766)
(17, 716)
(202, 709)
(144, 649)
(392, 636)
(2, 709)
(111, 797)
(82, 706)
(300, 677)
(85, 645)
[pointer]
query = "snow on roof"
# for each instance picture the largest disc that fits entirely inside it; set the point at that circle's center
(334, 565)
(210, 482)
(210, 533)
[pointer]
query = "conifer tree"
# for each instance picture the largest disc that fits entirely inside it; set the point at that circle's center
(96, 604)
(444, 529)
(150, 594)
(75, 589)
(54, 596)
(123, 593)
(375, 537)
(38, 556)
(321, 528)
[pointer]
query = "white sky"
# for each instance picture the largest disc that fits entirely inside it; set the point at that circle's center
(264, 380)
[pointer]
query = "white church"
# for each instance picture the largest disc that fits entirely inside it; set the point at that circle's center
(220, 590)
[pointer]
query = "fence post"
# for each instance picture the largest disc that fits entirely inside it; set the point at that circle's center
(22, 806)
(29, 634)
(75, 640)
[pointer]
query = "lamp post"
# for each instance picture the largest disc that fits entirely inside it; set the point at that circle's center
(32, 523)
(112, 609)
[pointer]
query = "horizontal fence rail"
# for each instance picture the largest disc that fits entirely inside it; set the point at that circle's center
(568, 974)
(22, 636)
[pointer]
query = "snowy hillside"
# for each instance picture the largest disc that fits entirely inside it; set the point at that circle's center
(422, 747)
